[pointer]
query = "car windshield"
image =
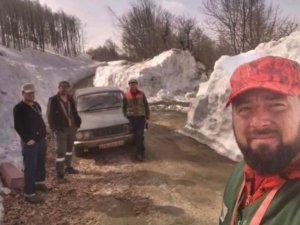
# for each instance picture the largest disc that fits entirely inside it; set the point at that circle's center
(99, 101)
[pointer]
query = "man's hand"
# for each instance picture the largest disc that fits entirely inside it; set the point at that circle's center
(31, 142)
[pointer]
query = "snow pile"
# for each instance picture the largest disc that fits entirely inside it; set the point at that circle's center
(208, 120)
(45, 70)
(168, 76)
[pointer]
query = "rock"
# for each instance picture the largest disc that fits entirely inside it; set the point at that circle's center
(12, 177)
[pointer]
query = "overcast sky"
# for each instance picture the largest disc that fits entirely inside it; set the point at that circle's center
(100, 25)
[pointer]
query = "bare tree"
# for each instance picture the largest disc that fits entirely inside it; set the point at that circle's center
(108, 52)
(185, 27)
(25, 23)
(203, 48)
(146, 29)
(165, 31)
(246, 23)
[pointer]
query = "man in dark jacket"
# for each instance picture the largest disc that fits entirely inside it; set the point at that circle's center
(135, 107)
(31, 128)
(64, 121)
(264, 188)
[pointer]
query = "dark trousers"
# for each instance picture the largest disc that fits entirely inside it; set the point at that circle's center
(34, 158)
(138, 125)
(64, 149)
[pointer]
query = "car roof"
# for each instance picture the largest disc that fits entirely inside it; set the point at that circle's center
(91, 90)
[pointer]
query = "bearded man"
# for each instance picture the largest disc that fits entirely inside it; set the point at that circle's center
(265, 188)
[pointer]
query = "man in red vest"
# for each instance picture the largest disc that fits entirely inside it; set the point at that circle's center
(135, 107)
(264, 188)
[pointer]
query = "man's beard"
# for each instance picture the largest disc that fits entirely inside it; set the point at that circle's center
(267, 162)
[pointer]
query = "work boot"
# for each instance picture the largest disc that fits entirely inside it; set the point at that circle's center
(34, 199)
(143, 154)
(139, 157)
(71, 170)
(41, 187)
(61, 180)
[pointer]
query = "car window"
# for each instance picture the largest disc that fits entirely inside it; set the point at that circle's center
(98, 101)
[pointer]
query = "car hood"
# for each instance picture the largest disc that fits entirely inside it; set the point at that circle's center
(102, 118)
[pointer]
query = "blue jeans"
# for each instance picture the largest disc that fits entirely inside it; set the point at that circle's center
(34, 158)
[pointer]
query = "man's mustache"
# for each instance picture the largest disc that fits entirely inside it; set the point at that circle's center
(262, 132)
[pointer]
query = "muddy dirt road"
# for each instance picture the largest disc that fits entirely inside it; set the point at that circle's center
(180, 183)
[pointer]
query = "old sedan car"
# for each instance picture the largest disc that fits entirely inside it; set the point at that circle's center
(103, 122)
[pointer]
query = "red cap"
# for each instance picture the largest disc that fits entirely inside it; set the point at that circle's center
(272, 73)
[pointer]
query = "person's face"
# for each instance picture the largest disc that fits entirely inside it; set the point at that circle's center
(133, 86)
(266, 128)
(28, 97)
(64, 89)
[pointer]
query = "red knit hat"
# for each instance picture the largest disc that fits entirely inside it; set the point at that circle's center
(277, 74)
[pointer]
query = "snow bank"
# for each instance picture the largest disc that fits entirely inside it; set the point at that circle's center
(208, 120)
(168, 76)
(45, 70)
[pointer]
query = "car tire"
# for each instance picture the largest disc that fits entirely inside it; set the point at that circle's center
(79, 151)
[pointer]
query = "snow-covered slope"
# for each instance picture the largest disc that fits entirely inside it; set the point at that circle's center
(45, 70)
(208, 120)
(172, 75)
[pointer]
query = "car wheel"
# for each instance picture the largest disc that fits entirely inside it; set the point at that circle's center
(79, 151)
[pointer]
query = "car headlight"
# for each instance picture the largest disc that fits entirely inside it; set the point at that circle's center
(87, 134)
(79, 135)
